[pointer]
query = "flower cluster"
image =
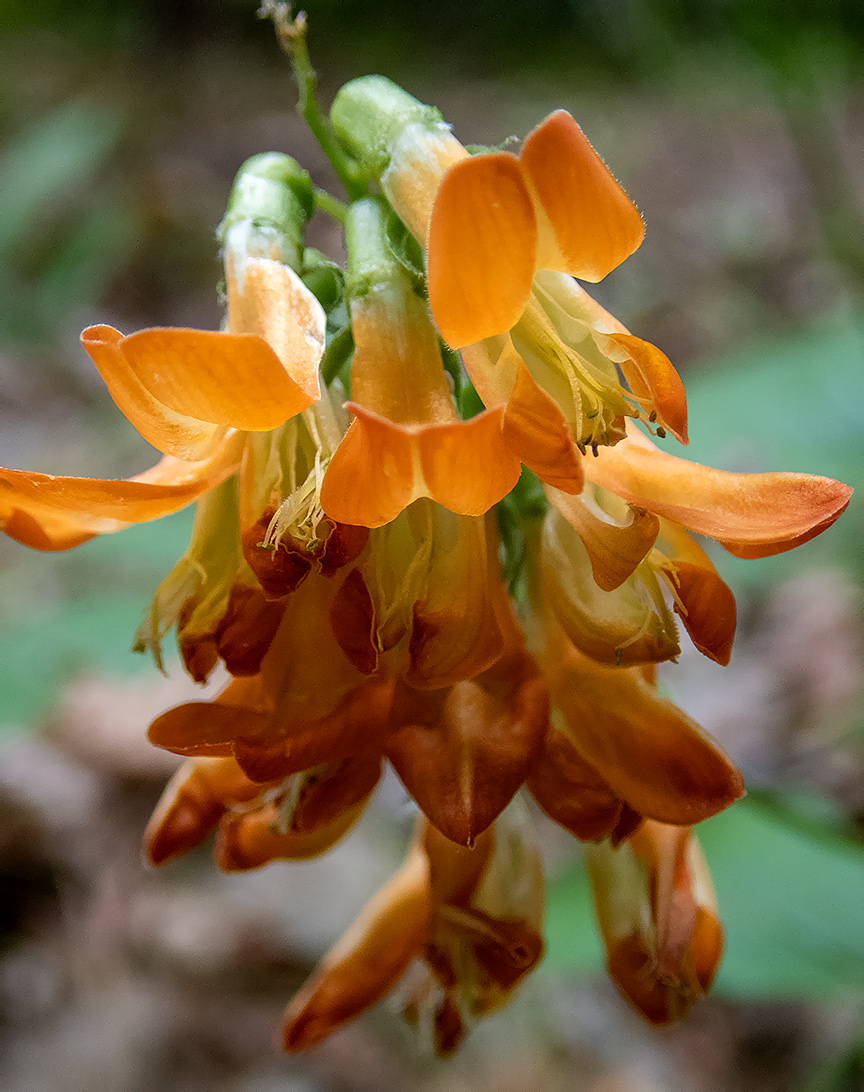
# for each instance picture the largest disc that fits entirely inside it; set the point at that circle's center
(433, 529)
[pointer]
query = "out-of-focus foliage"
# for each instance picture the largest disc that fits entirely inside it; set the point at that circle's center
(790, 897)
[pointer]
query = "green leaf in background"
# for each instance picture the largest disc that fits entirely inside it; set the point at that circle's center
(792, 905)
(50, 157)
(102, 590)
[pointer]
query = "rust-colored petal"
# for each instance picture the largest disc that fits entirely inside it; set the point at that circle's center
(702, 600)
(330, 790)
(246, 630)
(235, 380)
(537, 432)
(587, 223)
(656, 909)
(752, 515)
(572, 792)
(651, 375)
(49, 512)
(651, 753)
(368, 961)
(251, 839)
(464, 753)
(206, 727)
(614, 548)
(193, 802)
(481, 249)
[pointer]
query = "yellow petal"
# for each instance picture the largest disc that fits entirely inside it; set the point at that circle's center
(628, 625)
(587, 223)
(481, 249)
(48, 512)
(752, 515)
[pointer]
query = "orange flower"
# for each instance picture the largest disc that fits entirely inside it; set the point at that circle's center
(308, 705)
(658, 916)
(405, 441)
(629, 528)
(651, 755)
(258, 823)
(549, 356)
(191, 394)
(424, 602)
(470, 917)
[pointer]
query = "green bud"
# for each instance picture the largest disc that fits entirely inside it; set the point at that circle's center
(272, 194)
(369, 114)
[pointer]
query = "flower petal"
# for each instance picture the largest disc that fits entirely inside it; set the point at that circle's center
(651, 376)
(481, 249)
(467, 465)
(193, 802)
(268, 299)
(614, 548)
(587, 224)
(703, 601)
(572, 793)
(381, 467)
(229, 379)
(628, 625)
(651, 753)
(537, 432)
(752, 515)
(48, 512)
(175, 433)
(369, 959)
(464, 753)
(250, 839)
(372, 475)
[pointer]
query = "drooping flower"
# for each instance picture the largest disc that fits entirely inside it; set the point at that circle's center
(349, 574)
(657, 913)
(471, 919)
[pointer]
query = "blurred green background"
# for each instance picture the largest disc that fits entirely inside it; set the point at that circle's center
(738, 128)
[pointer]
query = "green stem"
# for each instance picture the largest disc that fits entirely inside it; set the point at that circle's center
(291, 34)
(330, 204)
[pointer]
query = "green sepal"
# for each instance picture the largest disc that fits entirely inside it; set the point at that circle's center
(323, 278)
